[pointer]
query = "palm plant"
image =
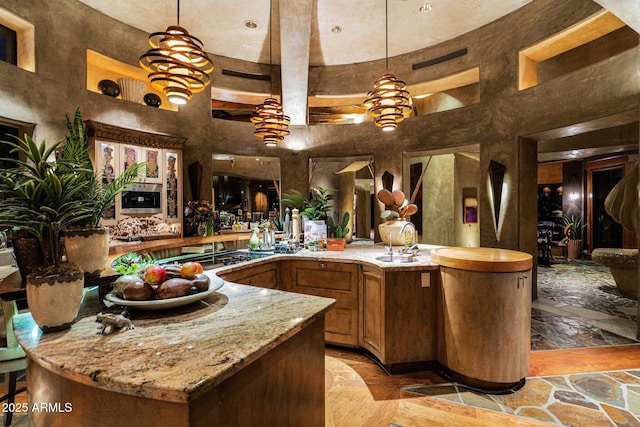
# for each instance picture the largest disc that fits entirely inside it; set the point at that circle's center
(573, 227)
(97, 195)
(313, 208)
(41, 196)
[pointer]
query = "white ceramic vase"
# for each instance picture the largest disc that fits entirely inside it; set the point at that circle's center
(132, 90)
(392, 228)
(87, 248)
(54, 300)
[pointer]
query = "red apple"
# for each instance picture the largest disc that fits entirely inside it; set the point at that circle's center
(189, 269)
(155, 275)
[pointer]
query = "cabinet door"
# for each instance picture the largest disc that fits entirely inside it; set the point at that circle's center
(372, 312)
(107, 164)
(264, 276)
(332, 280)
(153, 172)
(173, 184)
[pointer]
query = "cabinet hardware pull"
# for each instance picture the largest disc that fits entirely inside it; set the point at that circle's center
(323, 265)
(521, 279)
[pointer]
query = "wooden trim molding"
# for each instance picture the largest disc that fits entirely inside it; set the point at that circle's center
(113, 133)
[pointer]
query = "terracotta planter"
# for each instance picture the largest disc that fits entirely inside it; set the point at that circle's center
(336, 244)
(54, 300)
(392, 228)
(87, 249)
(574, 247)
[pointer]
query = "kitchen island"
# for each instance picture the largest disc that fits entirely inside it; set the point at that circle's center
(240, 356)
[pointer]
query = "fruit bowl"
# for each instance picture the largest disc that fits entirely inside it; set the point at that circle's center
(164, 304)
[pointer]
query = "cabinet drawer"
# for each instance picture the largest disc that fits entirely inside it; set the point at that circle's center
(333, 278)
(264, 276)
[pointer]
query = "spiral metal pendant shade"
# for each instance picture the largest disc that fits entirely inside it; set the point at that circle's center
(272, 125)
(388, 103)
(177, 64)
(269, 119)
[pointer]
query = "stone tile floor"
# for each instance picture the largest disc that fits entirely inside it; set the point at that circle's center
(578, 305)
(595, 399)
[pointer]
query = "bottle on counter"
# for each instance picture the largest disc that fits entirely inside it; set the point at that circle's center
(295, 225)
(254, 240)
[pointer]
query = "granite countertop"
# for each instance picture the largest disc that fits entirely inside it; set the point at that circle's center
(173, 355)
(178, 354)
(354, 254)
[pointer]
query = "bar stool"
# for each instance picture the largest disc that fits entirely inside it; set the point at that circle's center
(12, 358)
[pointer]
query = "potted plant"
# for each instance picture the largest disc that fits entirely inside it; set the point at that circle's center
(573, 227)
(313, 210)
(338, 230)
(86, 242)
(315, 207)
(40, 199)
(397, 208)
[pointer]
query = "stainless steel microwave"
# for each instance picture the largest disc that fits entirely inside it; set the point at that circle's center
(142, 199)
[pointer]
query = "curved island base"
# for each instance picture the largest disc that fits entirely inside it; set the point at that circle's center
(485, 301)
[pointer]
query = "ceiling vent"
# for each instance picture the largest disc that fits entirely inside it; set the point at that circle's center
(439, 59)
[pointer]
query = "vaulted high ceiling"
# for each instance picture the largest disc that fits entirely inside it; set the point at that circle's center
(303, 33)
(220, 24)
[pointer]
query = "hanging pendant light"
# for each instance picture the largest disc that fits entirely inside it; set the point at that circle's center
(271, 124)
(389, 102)
(177, 64)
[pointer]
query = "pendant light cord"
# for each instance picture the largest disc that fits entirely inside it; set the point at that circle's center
(270, 41)
(386, 35)
(178, 13)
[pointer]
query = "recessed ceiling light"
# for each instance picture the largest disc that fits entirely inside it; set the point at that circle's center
(426, 8)
(250, 24)
(336, 29)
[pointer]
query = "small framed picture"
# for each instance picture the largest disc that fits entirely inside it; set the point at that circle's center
(470, 210)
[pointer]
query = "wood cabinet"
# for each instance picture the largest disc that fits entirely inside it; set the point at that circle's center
(115, 149)
(332, 280)
(398, 318)
(264, 276)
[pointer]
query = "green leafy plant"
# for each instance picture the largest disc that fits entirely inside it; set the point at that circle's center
(573, 227)
(339, 228)
(42, 197)
(132, 263)
(313, 208)
(96, 194)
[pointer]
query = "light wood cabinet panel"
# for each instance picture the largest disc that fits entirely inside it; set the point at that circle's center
(263, 276)
(332, 280)
(486, 329)
(372, 312)
(399, 318)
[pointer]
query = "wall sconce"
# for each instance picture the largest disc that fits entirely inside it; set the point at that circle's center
(574, 183)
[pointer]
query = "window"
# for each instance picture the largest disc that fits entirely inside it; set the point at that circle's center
(8, 45)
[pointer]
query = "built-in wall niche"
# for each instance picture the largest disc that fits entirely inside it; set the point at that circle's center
(597, 38)
(242, 184)
(24, 55)
(102, 68)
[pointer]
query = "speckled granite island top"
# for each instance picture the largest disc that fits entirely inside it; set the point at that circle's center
(174, 355)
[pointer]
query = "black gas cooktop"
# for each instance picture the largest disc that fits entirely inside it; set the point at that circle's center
(214, 260)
